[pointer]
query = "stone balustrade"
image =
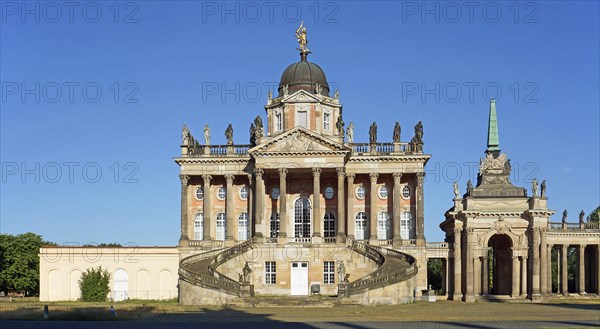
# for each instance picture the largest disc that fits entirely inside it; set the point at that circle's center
(558, 226)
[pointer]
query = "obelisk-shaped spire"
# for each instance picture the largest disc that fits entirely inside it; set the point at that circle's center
(493, 142)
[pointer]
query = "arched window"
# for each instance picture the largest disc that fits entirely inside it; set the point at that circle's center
(360, 192)
(406, 226)
(383, 226)
(406, 192)
(243, 226)
(302, 218)
(329, 226)
(278, 122)
(221, 193)
(244, 192)
(274, 227)
(221, 226)
(199, 227)
(361, 224)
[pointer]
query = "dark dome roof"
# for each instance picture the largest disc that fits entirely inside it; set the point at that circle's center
(303, 76)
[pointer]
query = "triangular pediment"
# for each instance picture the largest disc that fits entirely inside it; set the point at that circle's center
(299, 140)
(301, 96)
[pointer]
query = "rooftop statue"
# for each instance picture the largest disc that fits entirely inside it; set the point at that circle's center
(373, 133)
(350, 133)
(397, 129)
(252, 135)
(301, 36)
(206, 135)
(340, 125)
(581, 215)
(564, 217)
(185, 132)
(534, 187)
(456, 191)
(229, 134)
(543, 189)
(469, 188)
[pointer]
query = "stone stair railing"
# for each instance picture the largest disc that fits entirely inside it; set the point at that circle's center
(201, 269)
(392, 269)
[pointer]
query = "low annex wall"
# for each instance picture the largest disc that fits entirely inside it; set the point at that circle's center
(136, 272)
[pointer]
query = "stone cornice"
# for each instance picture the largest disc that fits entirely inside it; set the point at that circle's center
(212, 159)
(387, 158)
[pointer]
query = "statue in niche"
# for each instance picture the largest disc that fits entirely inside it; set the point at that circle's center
(456, 191)
(206, 134)
(285, 90)
(534, 187)
(246, 272)
(318, 89)
(341, 270)
(543, 189)
(229, 134)
(396, 136)
(373, 133)
(350, 133)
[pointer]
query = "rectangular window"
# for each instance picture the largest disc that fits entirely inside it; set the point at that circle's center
(303, 119)
(278, 122)
(326, 121)
(329, 272)
(270, 273)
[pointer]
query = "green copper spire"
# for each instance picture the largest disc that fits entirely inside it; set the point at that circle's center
(493, 139)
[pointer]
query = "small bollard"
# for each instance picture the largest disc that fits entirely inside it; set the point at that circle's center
(45, 312)
(113, 312)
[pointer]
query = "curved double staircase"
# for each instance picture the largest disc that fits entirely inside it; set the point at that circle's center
(392, 267)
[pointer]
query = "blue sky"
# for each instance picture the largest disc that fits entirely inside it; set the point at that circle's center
(115, 82)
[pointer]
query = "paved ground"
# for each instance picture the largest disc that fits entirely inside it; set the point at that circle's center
(300, 325)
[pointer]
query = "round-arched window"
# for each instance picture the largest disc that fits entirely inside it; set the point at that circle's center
(221, 193)
(329, 192)
(244, 192)
(199, 193)
(360, 192)
(406, 192)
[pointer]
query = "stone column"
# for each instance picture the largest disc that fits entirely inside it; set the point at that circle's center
(598, 269)
(373, 208)
(249, 206)
(317, 220)
(515, 275)
(183, 239)
(535, 276)
(543, 265)
(420, 176)
(207, 219)
(350, 202)
(477, 275)
(486, 274)
(457, 295)
(524, 276)
(283, 217)
(444, 276)
(341, 214)
(581, 270)
(259, 205)
(470, 244)
(397, 239)
(549, 269)
(564, 268)
(229, 208)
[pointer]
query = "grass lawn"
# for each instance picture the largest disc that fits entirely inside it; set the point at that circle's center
(446, 311)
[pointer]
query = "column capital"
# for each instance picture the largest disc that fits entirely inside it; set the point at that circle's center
(258, 172)
(316, 171)
(206, 178)
(457, 230)
(419, 177)
(282, 171)
(397, 177)
(582, 246)
(341, 171)
(229, 179)
(373, 177)
(184, 179)
(351, 176)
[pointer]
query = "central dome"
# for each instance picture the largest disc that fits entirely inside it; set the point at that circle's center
(303, 76)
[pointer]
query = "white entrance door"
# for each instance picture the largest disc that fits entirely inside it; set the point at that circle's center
(121, 283)
(299, 279)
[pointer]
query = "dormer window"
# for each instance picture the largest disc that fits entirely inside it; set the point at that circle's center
(278, 122)
(326, 121)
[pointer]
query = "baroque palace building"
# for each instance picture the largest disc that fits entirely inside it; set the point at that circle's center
(304, 209)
